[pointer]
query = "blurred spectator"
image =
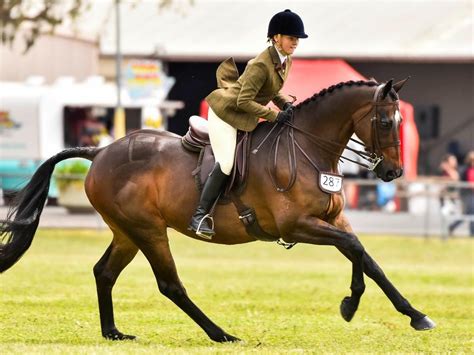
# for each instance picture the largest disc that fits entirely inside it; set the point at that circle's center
(448, 195)
(454, 148)
(467, 194)
(93, 131)
(386, 196)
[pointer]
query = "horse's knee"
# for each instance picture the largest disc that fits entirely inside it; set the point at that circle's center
(355, 246)
(171, 290)
(103, 278)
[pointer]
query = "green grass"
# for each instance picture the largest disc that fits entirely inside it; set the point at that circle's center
(278, 301)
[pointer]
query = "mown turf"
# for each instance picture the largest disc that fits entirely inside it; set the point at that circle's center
(278, 301)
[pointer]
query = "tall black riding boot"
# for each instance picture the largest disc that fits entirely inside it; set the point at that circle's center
(200, 222)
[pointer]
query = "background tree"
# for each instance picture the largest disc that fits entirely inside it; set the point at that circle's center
(31, 19)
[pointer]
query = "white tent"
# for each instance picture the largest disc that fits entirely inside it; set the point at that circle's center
(433, 30)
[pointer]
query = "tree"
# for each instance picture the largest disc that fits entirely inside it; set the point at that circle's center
(31, 19)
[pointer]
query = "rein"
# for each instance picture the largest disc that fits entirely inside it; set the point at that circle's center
(373, 156)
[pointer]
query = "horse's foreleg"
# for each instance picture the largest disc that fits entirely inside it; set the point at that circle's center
(419, 321)
(117, 256)
(349, 305)
(158, 254)
(316, 231)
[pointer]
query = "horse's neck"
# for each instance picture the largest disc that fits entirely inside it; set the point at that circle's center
(330, 117)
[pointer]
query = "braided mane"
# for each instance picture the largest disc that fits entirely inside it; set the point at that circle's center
(330, 89)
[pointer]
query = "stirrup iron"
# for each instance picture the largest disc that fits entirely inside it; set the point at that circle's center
(198, 230)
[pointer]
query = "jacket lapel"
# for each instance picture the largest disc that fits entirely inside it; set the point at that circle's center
(276, 62)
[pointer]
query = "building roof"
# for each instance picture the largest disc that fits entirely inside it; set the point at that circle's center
(433, 30)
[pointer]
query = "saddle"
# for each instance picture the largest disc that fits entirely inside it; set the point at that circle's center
(197, 140)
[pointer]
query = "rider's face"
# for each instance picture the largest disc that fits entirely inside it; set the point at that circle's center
(286, 44)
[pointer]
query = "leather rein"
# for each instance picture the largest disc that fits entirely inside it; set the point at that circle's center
(373, 155)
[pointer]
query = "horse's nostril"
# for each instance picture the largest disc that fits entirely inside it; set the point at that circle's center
(391, 174)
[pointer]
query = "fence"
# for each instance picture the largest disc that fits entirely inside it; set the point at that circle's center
(426, 207)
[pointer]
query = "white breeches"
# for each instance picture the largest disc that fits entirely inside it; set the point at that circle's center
(223, 139)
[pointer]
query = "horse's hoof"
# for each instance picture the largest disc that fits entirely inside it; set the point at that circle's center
(226, 338)
(116, 335)
(347, 309)
(424, 323)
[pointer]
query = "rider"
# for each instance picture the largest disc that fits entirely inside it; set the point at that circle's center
(239, 102)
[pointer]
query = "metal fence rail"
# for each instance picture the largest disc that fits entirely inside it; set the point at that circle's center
(427, 206)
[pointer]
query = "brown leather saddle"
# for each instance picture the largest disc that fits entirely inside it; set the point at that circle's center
(197, 140)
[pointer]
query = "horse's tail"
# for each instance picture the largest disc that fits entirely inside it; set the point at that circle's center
(18, 230)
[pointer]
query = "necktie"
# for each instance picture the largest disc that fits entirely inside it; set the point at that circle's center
(283, 66)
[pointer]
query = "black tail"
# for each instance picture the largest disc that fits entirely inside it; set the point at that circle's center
(18, 230)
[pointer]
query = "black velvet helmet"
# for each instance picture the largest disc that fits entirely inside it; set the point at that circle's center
(286, 23)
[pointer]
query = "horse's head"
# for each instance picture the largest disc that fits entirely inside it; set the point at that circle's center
(379, 129)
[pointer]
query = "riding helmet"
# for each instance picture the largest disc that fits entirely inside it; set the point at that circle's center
(286, 23)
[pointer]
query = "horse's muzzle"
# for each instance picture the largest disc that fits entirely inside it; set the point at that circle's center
(390, 175)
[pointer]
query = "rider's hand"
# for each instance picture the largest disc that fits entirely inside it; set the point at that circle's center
(286, 114)
(283, 116)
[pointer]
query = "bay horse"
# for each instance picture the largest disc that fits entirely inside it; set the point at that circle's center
(142, 184)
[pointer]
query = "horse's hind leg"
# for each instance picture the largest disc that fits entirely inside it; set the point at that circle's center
(158, 253)
(117, 256)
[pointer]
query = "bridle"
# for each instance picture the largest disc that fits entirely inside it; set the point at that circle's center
(373, 155)
(375, 150)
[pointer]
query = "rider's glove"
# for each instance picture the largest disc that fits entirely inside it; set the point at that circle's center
(286, 114)
(288, 105)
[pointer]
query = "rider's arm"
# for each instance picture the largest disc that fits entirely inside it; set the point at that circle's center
(253, 79)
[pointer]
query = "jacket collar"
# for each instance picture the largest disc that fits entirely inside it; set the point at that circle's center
(277, 62)
(275, 57)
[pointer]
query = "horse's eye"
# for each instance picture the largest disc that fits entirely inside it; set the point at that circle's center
(385, 123)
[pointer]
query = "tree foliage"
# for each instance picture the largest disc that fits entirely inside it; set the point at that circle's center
(30, 19)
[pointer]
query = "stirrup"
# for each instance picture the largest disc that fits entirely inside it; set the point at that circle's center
(198, 230)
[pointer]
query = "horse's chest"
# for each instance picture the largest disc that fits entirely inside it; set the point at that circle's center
(328, 206)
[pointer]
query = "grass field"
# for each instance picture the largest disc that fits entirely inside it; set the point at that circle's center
(278, 301)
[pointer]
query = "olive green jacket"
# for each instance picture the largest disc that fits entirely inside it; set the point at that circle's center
(240, 101)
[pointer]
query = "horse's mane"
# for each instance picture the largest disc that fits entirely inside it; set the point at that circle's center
(337, 86)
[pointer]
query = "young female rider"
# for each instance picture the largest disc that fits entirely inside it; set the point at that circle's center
(239, 102)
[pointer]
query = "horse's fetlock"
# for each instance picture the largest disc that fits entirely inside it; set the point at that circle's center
(358, 289)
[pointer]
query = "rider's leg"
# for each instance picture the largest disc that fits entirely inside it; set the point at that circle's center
(223, 139)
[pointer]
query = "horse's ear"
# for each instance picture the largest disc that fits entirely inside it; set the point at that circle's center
(399, 85)
(387, 88)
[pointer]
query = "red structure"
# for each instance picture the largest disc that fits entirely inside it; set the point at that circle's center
(308, 77)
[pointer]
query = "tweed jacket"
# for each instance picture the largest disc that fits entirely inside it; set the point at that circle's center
(240, 101)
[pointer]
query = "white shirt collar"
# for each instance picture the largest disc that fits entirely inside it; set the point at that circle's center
(282, 57)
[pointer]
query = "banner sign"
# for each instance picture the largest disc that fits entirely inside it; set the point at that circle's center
(143, 78)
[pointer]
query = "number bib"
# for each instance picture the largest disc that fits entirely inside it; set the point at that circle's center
(330, 183)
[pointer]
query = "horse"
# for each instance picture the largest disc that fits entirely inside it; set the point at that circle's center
(142, 184)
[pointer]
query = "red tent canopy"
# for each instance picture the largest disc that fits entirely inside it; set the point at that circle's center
(308, 77)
